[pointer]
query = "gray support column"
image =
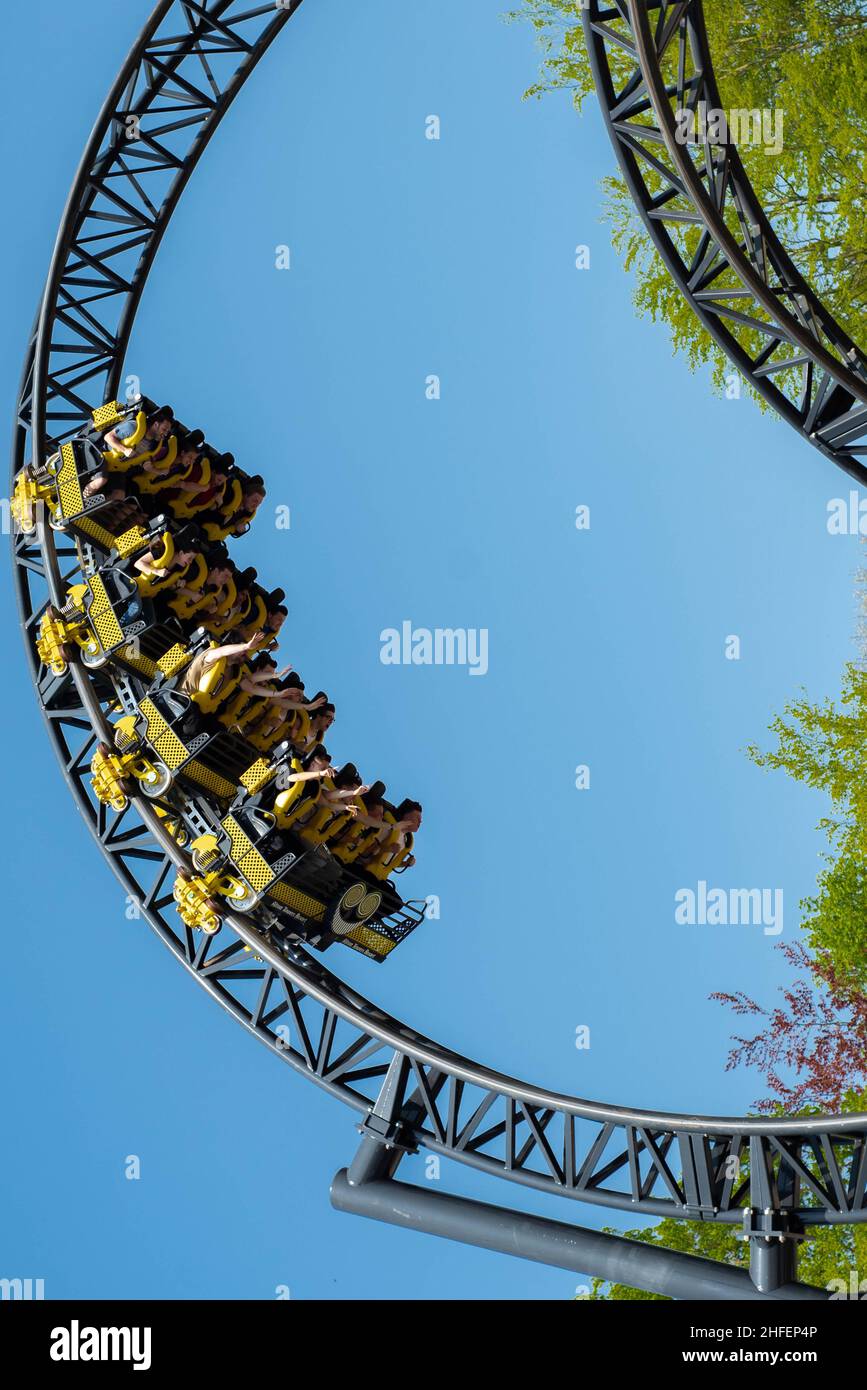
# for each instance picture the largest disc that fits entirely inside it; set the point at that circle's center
(550, 1242)
(773, 1262)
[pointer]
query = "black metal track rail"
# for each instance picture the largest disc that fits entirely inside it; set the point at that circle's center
(774, 1175)
(650, 60)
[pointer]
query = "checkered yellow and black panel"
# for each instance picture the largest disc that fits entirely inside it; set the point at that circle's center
(166, 743)
(297, 901)
(102, 616)
(256, 776)
(174, 659)
(375, 941)
(248, 859)
(130, 541)
(68, 487)
(106, 415)
(130, 657)
(86, 526)
(212, 781)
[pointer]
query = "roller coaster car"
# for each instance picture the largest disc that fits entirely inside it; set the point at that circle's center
(97, 519)
(303, 890)
(74, 465)
(107, 618)
(169, 738)
(57, 486)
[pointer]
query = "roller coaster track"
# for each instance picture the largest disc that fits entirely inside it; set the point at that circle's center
(774, 1178)
(650, 60)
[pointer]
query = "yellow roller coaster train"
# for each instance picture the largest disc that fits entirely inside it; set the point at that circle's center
(227, 747)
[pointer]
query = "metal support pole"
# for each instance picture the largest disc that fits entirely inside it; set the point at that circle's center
(773, 1262)
(768, 1225)
(537, 1238)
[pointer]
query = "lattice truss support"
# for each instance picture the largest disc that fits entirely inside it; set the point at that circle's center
(416, 1093)
(410, 1091)
(650, 60)
(165, 105)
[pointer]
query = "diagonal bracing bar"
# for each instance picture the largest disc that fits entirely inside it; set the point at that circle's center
(769, 1176)
(650, 60)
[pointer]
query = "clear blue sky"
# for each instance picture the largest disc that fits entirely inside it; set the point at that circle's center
(412, 257)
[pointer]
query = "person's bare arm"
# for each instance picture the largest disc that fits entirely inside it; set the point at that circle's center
(116, 445)
(145, 563)
(260, 677)
(342, 794)
(290, 777)
(217, 653)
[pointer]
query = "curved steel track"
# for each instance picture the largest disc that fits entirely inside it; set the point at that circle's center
(178, 82)
(650, 59)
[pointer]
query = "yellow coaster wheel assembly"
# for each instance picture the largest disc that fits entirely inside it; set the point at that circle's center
(114, 772)
(114, 777)
(196, 907)
(58, 634)
(206, 856)
(61, 630)
(30, 497)
(110, 777)
(201, 900)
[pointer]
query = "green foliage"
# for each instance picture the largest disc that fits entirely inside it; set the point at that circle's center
(807, 58)
(825, 746)
(708, 1239)
(768, 55)
(830, 1254)
(836, 918)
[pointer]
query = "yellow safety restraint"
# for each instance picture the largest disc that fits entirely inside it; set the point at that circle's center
(188, 504)
(258, 733)
(294, 728)
(163, 477)
(216, 684)
(258, 614)
(297, 804)
(354, 839)
(163, 464)
(226, 604)
(327, 821)
(233, 617)
(221, 526)
(232, 713)
(151, 584)
(117, 462)
(391, 855)
(194, 578)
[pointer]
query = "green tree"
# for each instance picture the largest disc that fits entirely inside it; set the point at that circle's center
(808, 59)
(768, 55)
(821, 1031)
(833, 1252)
(824, 745)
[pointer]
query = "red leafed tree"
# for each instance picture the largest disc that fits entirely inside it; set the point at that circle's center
(817, 1036)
